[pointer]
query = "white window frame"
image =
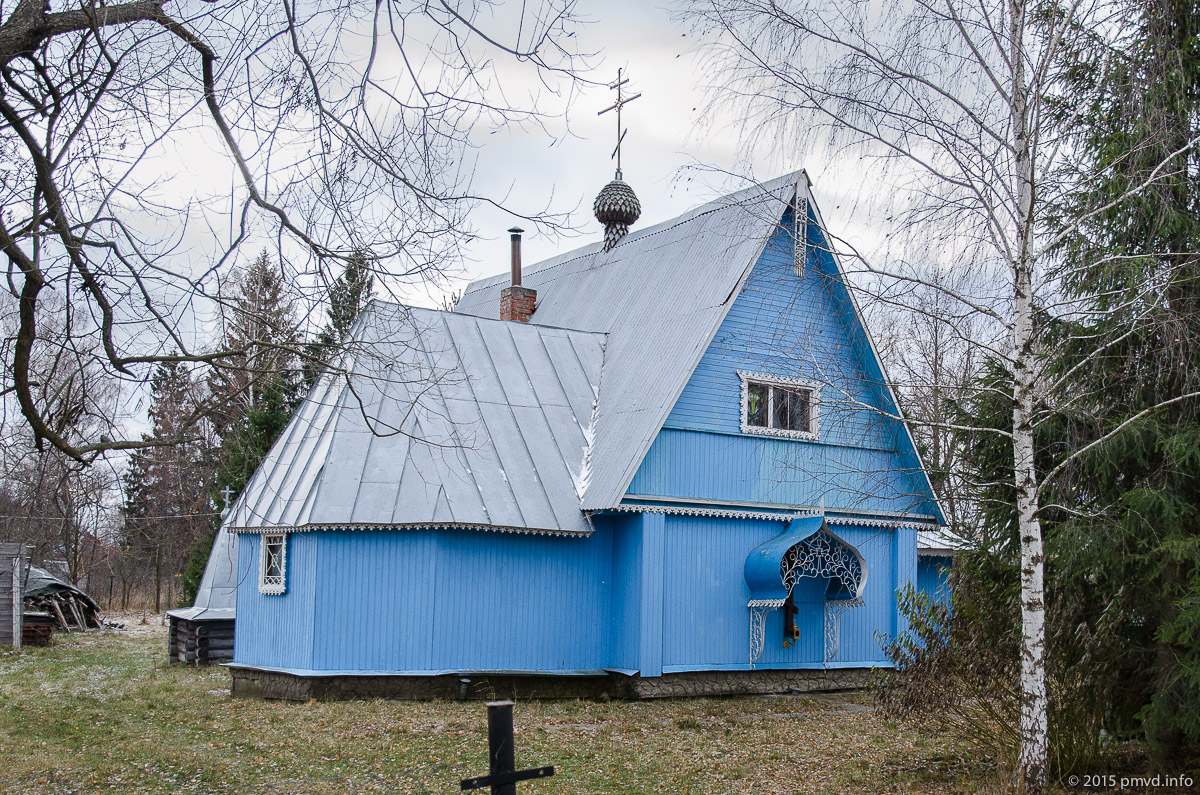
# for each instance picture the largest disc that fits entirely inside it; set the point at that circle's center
(814, 402)
(272, 586)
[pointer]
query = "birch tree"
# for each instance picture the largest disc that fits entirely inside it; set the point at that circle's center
(961, 114)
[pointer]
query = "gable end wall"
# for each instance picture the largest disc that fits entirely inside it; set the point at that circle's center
(793, 327)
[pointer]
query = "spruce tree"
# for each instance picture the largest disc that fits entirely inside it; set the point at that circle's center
(166, 485)
(256, 392)
(1122, 521)
(348, 297)
(1133, 547)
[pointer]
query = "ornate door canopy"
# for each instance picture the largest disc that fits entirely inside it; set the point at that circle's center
(806, 548)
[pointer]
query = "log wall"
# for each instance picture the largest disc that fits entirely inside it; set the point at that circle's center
(199, 642)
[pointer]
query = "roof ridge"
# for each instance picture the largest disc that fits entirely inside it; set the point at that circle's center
(442, 312)
(715, 205)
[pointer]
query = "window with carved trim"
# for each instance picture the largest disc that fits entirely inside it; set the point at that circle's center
(776, 406)
(272, 564)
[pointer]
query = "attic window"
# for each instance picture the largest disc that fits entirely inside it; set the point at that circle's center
(775, 406)
(272, 564)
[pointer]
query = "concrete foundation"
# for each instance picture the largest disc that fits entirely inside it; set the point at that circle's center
(275, 685)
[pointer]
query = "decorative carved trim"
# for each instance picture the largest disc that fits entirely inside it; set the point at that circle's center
(773, 604)
(722, 513)
(821, 555)
(272, 585)
(317, 528)
(800, 235)
(814, 406)
(888, 523)
(833, 624)
(824, 555)
(844, 515)
(758, 626)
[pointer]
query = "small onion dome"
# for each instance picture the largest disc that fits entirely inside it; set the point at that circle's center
(616, 207)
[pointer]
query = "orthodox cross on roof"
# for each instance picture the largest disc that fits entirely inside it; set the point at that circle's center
(617, 206)
(227, 493)
(621, 102)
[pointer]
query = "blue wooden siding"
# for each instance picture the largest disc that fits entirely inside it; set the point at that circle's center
(277, 630)
(705, 618)
(796, 327)
(904, 571)
(646, 592)
(625, 629)
(428, 601)
(933, 577)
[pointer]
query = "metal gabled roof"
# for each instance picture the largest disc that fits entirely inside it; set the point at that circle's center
(938, 541)
(443, 419)
(217, 594)
(660, 297)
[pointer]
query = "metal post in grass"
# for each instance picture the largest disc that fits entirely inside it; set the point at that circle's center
(502, 774)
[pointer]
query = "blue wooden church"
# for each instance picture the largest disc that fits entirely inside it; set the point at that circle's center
(667, 463)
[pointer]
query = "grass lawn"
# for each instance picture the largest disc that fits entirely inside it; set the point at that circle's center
(103, 712)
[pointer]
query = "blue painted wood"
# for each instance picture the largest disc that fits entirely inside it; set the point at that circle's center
(933, 577)
(905, 570)
(507, 602)
(794, 327)
(859, 625)
(751, 469)
(644, 592)
(278, 629)
(761, 570)
(650, 645)
(376, 609)
(426, 601)
(624, 630)
(705, 618)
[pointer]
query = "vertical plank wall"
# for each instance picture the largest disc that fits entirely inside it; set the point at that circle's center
(705, 618)
(276, 631)
(646, 592)
(796, 327)
(933, 576)
(425, 601)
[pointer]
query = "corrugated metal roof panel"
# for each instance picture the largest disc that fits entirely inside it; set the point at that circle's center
(446, 447)
(937, 541)
(659, 296)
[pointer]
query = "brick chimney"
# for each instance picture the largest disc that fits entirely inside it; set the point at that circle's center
(516, 302)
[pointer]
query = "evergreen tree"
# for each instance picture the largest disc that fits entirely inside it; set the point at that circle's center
(261, 327)
(348, 297)
(256, 393)
(1134, 546)
(166, 485)
(1122, 521)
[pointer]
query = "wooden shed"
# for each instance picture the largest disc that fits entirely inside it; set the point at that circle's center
(13, 560)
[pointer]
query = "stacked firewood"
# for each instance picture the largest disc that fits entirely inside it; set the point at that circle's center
(37, 629)
(70, 612)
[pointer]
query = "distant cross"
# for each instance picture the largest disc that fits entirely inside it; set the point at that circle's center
(227, 493)
(502, 774)
(622, 101)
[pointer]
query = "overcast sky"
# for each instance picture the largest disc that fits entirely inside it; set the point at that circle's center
(669, 137)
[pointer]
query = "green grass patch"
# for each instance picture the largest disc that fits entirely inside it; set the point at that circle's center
(103, 712)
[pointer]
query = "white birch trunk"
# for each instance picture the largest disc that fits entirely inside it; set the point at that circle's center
(1031, 767)
(1031, 762)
